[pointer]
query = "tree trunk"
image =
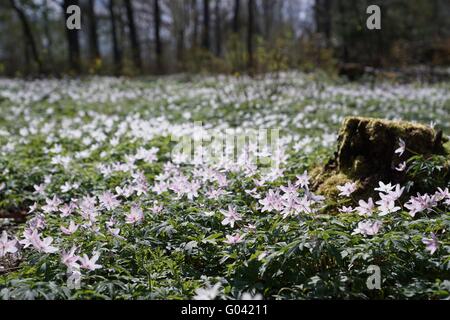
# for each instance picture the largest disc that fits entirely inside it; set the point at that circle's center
(205, 38)
(236, 24)
(269, 10)
(157, 30)
(322, 17)
(72, 39)
(28, 35)
(250, 31)
(343, 30)
(93, 35)
(117, 55)
(195, 18)
(48, 36)
(134, 40)
(218, 28)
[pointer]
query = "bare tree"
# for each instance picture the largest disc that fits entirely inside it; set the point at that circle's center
(195, 19)
(250, 31)
(28, 35)
(157, 31)
(134, 40)
(205, 36)
(48, 35)
(236, 20)
(92, 30)
(269, 10)
(180, 18)
(73, 41)
(218, 28)
(117, 54)
(322, 17)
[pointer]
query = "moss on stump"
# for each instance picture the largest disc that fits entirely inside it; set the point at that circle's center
(366, 153)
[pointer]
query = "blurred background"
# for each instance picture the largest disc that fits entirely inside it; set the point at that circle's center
(146, 37)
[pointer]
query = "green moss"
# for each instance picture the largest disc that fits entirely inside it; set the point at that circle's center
(366, 153)
(329, 186)
(447, 148)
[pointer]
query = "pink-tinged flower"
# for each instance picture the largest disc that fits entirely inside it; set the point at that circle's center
(302, 180)
(37, 222)
(115, 232)
(45, 246)
(386, 206)
(33, 207)
(420, 203)
(432, 244)
(384, 187)
(365, 208)
(231, 216)
(395, 194)
(140, 183)
(347, 189)
(27, 234)
(52, 205)
(289, 190)
(314, 197)
(90, 264)
(401, 166)
(160, 187)
(304, 205)
(209, 293)
(401, 147)
(110, 223)
(274, 174)
(272, 201)
(290, 205)
(34, 238)
(135, 215)
(7, 246)
(71, 229)
(39, 189)
(253, 193)
(345, 209)
(221, 180)
(70, 259)
(215, 193)
(442, 194)
(250, 296)
(126, 191)
(192, 190)
(108, 200)
(67, 209)
(259, 183)
(157, 208)
(148, 156)
(234, 239)
(88, 209)
(368, 228)
(66, 187)
(74, 278)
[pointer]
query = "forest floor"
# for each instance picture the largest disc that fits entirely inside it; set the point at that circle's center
(202, 187)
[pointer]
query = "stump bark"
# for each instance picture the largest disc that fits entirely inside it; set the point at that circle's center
(366, 152)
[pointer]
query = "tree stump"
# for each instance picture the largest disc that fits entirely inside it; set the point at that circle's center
(366, 152)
